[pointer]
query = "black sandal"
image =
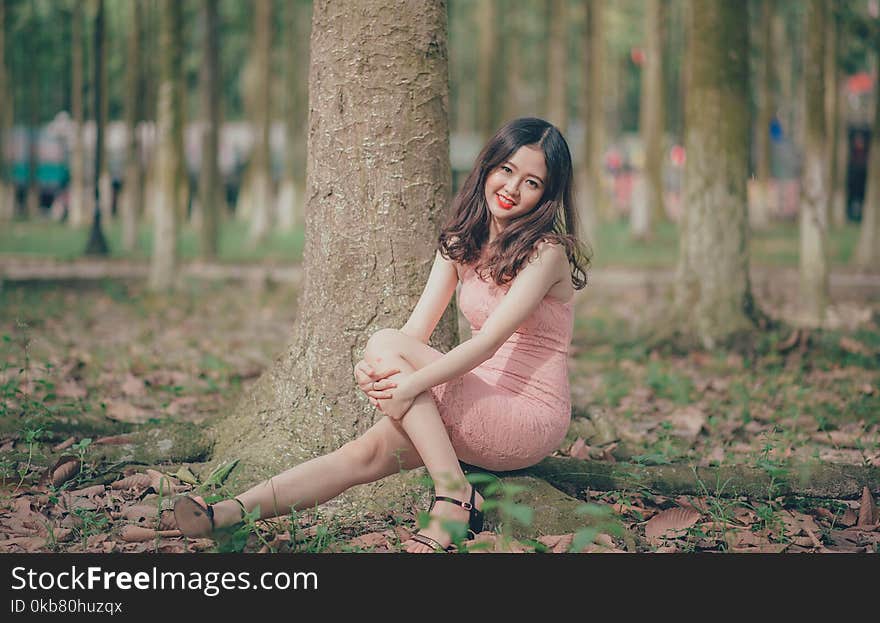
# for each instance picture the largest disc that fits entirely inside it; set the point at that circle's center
(190, 517)
(475, 521)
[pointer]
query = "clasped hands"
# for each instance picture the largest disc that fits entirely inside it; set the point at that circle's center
(377, 386)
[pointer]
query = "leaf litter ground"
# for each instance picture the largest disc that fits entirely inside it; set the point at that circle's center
(86, 361)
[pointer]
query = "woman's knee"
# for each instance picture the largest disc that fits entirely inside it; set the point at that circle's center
(362, 454)
(382, 340)
(385, 346)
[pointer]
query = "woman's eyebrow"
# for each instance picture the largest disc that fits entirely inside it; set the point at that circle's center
(537, 177)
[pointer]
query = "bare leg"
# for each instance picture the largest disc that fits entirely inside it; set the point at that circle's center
(419, 438)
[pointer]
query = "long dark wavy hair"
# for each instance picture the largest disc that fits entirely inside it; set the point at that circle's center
(553, 219)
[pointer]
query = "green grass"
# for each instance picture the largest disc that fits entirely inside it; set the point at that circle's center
(58, 241)
(776, 246)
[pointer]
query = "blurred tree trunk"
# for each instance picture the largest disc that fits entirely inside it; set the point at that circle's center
(649, 207)
(488, 74)
(712, 292)
(106, 194)
(32, 196)
(867, 255)
(261, 158)
(833, 84)
(166, 210)
(814, 176)
(592, 114)
(557, 64)
(77, 215)
(211, 199)
(7, 199)
(759, 208)
(514, 101)
(97, 243)
(290, 197)
(132, 201)
(374, 211)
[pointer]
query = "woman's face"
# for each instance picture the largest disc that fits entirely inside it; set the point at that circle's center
(516, 185)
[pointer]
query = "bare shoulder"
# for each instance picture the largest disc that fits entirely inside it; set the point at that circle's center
(549, 252)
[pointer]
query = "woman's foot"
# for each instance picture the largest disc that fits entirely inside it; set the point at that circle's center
(195, 518)
(434, 537)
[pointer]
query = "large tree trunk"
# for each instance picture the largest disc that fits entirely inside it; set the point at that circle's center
(759, 208)
(261, 163)
(649, 207)
(7, 205)
(867, 255)
(77, 214)
(814, 177)
(210, 184)
(290, 196)
(557, 64)
(377, 185)
(593, 117)
(713, 296)
(133, 186)
(166, 209)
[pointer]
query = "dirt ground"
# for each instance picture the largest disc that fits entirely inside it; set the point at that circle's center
(83, 362)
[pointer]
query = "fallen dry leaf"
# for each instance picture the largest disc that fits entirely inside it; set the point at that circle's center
(133, 386)
(687, 422)
(855, 347)
(671, 523)
(64, 445)
(135, 481)
(371, 539)
(867, 509)
(162, 483)
(64, 469)
(122, 411)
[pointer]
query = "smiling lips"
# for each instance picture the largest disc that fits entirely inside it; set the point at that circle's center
(504, 202)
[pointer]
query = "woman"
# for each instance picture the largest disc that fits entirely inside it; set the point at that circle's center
(499, 400)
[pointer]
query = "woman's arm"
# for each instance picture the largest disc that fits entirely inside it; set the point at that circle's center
(433, 301)
(525, 294)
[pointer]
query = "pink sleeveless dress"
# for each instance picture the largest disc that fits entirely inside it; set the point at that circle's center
(514, 409)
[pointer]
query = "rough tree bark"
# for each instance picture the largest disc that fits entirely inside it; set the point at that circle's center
(377, 185)
(166, 210)
(557, 64)
(261, 172)
(290, 195)
(209, 177)
(867, 255)
(814, 176)
(648, 204)
(713, 297)
(132, 200)
(759, 209)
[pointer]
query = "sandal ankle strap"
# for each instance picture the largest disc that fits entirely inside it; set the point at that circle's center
(243, 509)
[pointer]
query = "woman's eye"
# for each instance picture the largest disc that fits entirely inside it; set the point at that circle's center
(506, 169)
(533, 183)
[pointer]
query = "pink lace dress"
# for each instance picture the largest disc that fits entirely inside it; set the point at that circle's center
(514, 409)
